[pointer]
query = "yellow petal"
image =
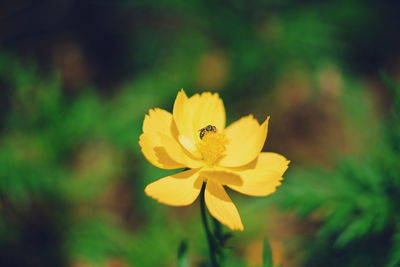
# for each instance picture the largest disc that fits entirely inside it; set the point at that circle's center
(246, 140)
(210, 110)
(155, 153)
(266, 161)
(262, 176)
(159, 120)
(164, 152)
(180, 189)
(182, 114)
(221, 176)
(272, 161)
(188, 144)
(192, 114)
(221, 206)
(160, 142)
(258, 183)
(178, 153)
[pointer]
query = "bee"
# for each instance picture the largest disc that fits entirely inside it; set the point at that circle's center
(208, 128)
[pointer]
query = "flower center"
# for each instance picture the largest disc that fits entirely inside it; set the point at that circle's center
(212, 147)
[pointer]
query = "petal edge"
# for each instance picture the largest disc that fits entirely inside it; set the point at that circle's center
(221, 206)
(247, 138)
(179, 189)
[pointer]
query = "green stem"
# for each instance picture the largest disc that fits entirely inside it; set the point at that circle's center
(210, 238)
(217, 231)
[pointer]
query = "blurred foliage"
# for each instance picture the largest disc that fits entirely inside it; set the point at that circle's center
(58, 161)
(183, 259)
(267, 255)
(77, 77)
(357, 202)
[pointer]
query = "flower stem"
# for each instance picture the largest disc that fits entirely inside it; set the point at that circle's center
(213, 249)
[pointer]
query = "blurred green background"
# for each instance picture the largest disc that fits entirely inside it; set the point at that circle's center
(77, 78)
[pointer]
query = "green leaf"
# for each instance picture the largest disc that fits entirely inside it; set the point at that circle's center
(394, 255)
(267, 254)
(183, 260)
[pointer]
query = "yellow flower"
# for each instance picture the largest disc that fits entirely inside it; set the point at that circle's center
(215, 155)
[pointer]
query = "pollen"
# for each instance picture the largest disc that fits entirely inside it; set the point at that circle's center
(212, 147)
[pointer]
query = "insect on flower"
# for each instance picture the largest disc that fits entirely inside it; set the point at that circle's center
(228, 157)
(208, 128)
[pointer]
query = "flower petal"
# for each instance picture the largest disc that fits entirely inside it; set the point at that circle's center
(192, 114)
(221, 206)
(159, 120)
(178, 153)
(246, 140)
(210, 110)
(160, 142)
(272, 161)
(188, 144)
(263, 176)
(182, 115)
(155, 153)
(164, 152)
(258, 183)
(221, 176)
(180, 189)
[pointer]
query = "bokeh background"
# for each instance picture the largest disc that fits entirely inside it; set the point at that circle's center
(77, 78)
